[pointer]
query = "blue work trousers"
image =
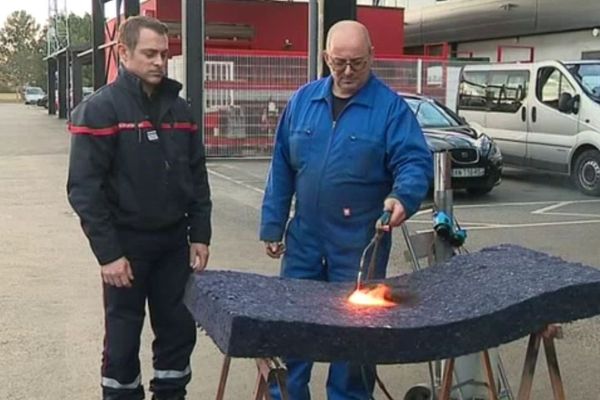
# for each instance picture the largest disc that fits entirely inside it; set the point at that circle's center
(309, 256)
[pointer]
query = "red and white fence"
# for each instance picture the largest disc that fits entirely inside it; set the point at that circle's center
(246, 91)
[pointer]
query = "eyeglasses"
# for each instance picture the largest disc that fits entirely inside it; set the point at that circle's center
(356, 64)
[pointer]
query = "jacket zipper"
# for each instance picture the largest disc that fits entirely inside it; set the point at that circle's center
(331, 138)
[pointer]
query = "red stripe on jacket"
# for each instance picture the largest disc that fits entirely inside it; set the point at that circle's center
(112, 130)
(86, 130)
(181, 126)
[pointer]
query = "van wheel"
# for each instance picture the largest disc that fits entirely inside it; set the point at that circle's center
(587, 172)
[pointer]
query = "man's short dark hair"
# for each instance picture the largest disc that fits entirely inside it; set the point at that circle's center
(129, 31)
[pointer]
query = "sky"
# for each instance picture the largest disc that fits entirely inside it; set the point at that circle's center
(39, 8)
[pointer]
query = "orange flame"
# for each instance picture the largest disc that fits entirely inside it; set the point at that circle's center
(378, 296)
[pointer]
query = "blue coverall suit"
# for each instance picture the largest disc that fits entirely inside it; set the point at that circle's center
(340, 172)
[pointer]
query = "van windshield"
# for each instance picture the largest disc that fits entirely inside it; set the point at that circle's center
(588, 76)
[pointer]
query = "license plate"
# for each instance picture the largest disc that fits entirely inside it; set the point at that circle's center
(467, 172)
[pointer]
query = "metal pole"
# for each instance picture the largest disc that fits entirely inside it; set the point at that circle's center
(313, 39)
(193, 45)
(335, 11)
(442, 198)
(98, 56)
(77, 80)
(419, 76)
(52, 86)
(118, 4)
(468, 367)
(321, 36)
(69, 88)
(62, 86)
(132, 7)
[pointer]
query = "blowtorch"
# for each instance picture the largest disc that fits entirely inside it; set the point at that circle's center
(382, 222)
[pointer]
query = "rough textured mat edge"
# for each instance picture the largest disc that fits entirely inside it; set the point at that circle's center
(257, 335)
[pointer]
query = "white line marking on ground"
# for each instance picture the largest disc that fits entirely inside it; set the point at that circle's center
(574, 215)
(546, 210)
(531, 225)
(471, 225)
(541, 211)
(552, 207)
(506, 204)
(233, 167)
(232, 180)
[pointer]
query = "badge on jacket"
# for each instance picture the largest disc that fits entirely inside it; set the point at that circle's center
(152, 136)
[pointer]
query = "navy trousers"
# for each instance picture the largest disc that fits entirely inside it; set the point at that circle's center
(160, 263)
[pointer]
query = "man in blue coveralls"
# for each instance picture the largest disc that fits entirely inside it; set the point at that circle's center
(347, 147)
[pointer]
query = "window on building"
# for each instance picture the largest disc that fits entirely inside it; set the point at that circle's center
(590, 55)
(551, 83)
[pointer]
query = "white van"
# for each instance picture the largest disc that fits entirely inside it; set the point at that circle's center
(543, 115)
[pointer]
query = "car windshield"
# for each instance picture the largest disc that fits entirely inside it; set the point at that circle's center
(34, 90)
(432, 115)
(588, 76)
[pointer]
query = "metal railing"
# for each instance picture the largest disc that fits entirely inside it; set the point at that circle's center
(246, 92)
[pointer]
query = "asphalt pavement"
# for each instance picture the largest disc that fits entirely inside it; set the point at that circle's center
(51, 321)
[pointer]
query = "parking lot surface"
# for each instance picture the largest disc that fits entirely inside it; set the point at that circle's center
(50, 291)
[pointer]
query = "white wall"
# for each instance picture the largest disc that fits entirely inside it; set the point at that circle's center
(391, 3)
(557, 46)
(405, 3)
(176, 70)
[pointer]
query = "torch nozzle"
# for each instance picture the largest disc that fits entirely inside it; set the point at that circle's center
(359, 279)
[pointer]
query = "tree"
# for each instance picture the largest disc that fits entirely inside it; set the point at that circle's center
(21, 51)
(23, 46)
(80, 35)
(80, 29)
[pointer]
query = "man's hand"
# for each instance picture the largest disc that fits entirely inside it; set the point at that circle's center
(198, 256)
(397, 210)
(274, 249)
(117, 273)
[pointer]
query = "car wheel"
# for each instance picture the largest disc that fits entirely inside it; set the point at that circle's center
(479, 191)
(586, 173)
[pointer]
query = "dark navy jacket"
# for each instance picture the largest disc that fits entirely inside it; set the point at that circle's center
(129, 172)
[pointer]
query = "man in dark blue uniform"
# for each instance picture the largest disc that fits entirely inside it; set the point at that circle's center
(137, 180)
(347, 147)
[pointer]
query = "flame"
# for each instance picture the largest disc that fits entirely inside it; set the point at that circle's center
(378, 296)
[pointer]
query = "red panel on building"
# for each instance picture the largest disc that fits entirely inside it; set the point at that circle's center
(386, 27)
(279, 25)
(272, 25)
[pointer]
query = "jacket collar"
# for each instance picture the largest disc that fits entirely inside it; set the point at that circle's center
(133, 83)
(364, 96)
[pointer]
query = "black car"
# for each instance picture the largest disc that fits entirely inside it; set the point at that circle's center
(476, 160)
(43, 102)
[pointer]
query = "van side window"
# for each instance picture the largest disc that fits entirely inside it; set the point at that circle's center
(506, 90)
(471, 91)
(551, 83)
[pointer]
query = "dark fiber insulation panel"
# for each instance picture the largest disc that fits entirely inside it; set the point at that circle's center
(472, 302)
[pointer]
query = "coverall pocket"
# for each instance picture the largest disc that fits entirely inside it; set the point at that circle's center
(364, 154)
(301, 142)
